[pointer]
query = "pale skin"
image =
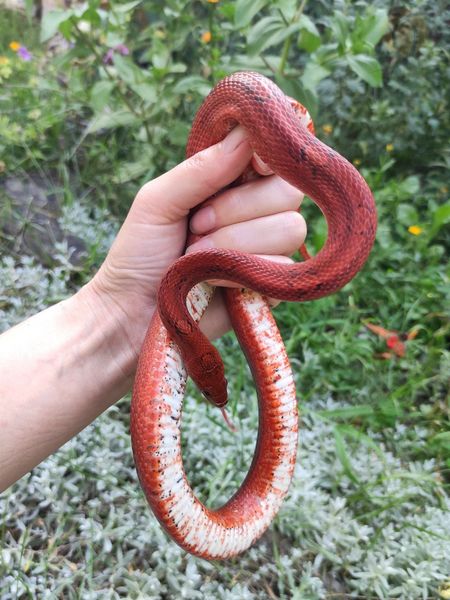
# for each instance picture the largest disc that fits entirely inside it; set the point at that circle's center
(64, 366)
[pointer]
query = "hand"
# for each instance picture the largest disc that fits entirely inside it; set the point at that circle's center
(258, 217)
(81, 354)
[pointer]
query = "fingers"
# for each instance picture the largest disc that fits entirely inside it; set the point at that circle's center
(215, 322)
(169, 197)
(265, 196)
(279, 234)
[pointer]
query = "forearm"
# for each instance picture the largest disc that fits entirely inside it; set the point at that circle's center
(59, 370)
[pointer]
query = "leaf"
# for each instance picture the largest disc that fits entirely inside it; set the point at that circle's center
(410, 186)
(348, 412)
(442, 439)
(339, 26)
(127, 70)
(407, 214)
(112, 120)
(91, 16)
(341, 453)
(389, 410)
(441, 216)
(306, 23)
(245, 10)
(367, 68)
(179, 133)
(313, 74)
(146, 91)
(193, 83)
(129, 171)
(359, 436)
(309, 38)
(100, 94)
(160, 56)
(260, 35)
(51, 22)
(127, 7)
(377, 26)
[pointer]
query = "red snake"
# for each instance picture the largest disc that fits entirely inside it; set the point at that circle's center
(284, 143)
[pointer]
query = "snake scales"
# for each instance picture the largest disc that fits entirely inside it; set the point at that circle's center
(175, 344)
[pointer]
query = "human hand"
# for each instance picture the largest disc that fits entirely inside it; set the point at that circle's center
(259, 217)
(81, 353)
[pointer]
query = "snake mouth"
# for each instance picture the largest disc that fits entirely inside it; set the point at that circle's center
(220, 402)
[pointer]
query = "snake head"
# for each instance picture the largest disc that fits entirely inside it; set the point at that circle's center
(205, 368)
(218, 397)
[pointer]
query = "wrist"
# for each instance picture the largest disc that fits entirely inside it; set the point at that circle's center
(119, 335)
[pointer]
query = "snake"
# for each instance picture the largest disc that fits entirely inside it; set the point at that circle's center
(174, 347)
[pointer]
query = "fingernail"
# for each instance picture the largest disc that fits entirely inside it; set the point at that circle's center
(204, 220)
(202, 244)
(234, 139)
(260, 166)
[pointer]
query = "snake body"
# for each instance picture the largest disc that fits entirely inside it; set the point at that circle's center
(174, 339)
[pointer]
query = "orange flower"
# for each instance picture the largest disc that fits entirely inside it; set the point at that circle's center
(206, 37)
(415, 230)
(15, 46)
(213, 1)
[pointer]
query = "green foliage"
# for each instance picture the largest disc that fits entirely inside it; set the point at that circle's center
(411, 111)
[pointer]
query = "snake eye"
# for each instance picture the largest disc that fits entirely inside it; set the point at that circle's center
(207, 396)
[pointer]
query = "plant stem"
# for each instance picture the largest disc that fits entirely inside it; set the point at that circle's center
(288, 40)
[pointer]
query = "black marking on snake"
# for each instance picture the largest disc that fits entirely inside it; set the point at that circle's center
(302, 155)
(260, 99)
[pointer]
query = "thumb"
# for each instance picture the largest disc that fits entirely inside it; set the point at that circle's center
(171, 196)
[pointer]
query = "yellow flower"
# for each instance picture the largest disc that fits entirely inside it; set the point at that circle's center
(444, 589)
(15, 46)
(357, 162)
(3, 61)
(2, 167)
(206, 37)
(327, 128)
(213, 1)
(415, 230)
(389, 147)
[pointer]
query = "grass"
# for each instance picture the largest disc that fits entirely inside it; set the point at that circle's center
(367, 515)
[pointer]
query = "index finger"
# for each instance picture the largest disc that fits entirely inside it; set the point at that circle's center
(171, 196)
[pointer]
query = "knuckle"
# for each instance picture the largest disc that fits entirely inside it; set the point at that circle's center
(293, 196)
(293, 230)
(145, 193)
(199, 166)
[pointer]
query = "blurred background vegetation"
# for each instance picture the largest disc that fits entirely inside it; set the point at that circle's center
(98, 98)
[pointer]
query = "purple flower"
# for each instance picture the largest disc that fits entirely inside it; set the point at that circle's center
(122, 49)
(24, 54)
(108, 58)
